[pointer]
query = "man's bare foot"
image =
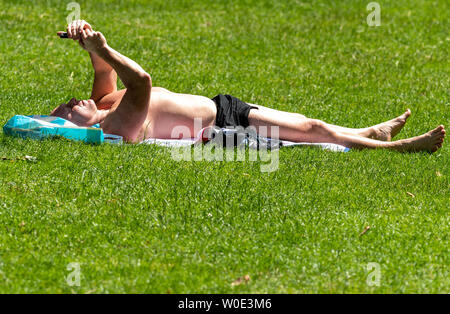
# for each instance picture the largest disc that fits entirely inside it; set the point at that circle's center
(430, 141)
(387, 130)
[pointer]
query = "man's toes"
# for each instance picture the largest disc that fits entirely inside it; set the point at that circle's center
(438, 129)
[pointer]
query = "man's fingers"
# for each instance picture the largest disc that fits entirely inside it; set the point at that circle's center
(78, 27)
(82, 25)
(89, 32)
(87, 25)
(83, 34)
(69, 31)
(73, 30)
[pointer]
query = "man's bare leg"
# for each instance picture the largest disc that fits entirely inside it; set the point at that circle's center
(384, 131)
(302, 129)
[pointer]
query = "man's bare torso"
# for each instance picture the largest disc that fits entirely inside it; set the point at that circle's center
(167, 110)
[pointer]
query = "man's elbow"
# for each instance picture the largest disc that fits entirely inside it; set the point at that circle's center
(141, 81)
(144, 80)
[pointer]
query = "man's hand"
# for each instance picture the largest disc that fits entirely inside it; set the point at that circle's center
(75, 28)
(75, 31)
(92, 41)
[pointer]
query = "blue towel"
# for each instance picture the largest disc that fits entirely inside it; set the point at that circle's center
(41, 126)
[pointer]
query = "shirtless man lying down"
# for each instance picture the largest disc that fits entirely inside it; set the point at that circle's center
(142, 111)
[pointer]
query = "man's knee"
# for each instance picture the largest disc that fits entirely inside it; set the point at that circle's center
(313, 125)
(317, 127)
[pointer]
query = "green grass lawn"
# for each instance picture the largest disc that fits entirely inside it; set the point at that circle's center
(137, 221)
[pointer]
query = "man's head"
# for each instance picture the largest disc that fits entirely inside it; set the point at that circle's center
(80, 112)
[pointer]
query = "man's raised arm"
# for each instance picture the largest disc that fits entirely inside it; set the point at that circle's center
(105, 78)
(130, 73)
(127, 119)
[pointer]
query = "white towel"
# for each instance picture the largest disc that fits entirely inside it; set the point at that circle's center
(200, 138)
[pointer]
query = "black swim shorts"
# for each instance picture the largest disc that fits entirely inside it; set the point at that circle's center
(231, 111)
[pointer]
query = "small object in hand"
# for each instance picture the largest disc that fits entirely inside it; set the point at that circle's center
(63, 35)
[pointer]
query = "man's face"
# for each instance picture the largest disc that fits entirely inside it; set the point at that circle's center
(80, 112)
